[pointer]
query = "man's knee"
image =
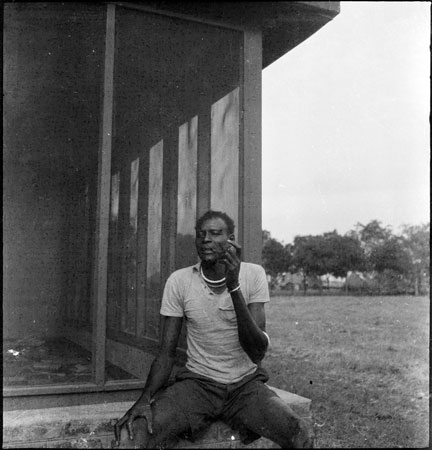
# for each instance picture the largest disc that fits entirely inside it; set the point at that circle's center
(288, 429)
(168, 423)
(305, 437)
(299, 434)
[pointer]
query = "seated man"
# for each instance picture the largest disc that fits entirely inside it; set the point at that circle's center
(222, 300)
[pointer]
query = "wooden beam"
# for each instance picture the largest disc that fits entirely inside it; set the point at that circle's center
(203, 160)
(99, 297)
(142, 241)
(250, 208)
(155, 236)
(159, 9)
(225, 150)
(169, 204)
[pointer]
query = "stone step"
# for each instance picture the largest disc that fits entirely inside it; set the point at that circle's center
(91, 426)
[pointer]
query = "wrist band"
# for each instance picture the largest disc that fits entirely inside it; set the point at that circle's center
(235, 289)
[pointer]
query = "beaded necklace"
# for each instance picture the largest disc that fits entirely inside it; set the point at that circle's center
(213, 283)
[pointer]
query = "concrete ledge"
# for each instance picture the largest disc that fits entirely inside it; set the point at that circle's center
(83, 426)
(91, 426)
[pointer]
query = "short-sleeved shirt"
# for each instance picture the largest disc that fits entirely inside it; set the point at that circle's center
(213, 346)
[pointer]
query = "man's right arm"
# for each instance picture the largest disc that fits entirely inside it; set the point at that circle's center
(158, 376)
(163, 363)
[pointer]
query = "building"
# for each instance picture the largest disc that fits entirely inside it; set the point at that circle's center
(122, 123)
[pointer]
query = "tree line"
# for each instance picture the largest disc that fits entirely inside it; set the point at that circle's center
(389, 263)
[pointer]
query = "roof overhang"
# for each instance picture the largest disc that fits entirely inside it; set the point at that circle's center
(295, 22)
(284, 24)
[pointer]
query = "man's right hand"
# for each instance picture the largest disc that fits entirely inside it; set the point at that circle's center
(158, 376)
(139, 409)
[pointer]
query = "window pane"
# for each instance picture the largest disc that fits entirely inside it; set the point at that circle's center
(133, 211)
(122, 271)
(114, 255)
(168, 71)
(54, 56)
(115, 199)
(225, 154)
(187, 194)
(130, 262)
(154, 241)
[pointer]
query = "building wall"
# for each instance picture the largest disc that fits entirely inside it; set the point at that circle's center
(52, 84)
(34, 254)
(175, 154)
(182, 142)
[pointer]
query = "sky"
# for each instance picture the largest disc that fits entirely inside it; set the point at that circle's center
(346, 124)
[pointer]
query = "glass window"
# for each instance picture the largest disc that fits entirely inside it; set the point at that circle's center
(53, 60)
(133, 210)
(130, 258)
(187, 193)
(225, 154)
(167, 72)
(154, 241)
(114, 255)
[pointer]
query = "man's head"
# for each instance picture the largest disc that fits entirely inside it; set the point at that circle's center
(216, 214)
(213, 230)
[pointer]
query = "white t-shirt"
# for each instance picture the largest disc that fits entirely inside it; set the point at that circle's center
(213, 347)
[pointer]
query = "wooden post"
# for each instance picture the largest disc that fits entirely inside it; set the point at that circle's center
(169, 202)
(250, 205)
(142, 242)
(204, 159)
(99, 296)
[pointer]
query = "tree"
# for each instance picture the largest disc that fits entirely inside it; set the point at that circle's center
(398, 263)
(266, 235)
(311, 255)
(390, 255)
(276, 257)
(371, 236)
(347, 255)
(390, 261)
(416, 241)
(329, 253)
(373, 233)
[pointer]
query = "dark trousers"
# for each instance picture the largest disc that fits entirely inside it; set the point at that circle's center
(193, 402)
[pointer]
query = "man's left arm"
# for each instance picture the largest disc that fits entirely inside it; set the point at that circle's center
(251, 326)
(250, 317)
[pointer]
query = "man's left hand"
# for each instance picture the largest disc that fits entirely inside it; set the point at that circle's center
(232, 260)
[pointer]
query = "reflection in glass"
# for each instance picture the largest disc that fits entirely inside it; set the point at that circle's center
(121, 301)
(225, 154)
(154, 230)
(133, 211)
(52, 87)
(114, 255)
(154, 238)
(129, 314)
(115, 197)
(187, 193)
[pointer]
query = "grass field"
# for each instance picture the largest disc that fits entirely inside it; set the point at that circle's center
(364, 362)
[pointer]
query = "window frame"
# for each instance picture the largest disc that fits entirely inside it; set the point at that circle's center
(249, 180)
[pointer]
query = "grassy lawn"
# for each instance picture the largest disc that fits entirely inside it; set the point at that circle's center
(364, 362)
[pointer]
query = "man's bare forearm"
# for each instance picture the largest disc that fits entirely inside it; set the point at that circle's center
(252, 339)
(162, 365)
(158, 376)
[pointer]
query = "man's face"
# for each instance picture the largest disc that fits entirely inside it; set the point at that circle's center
(211, 239)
